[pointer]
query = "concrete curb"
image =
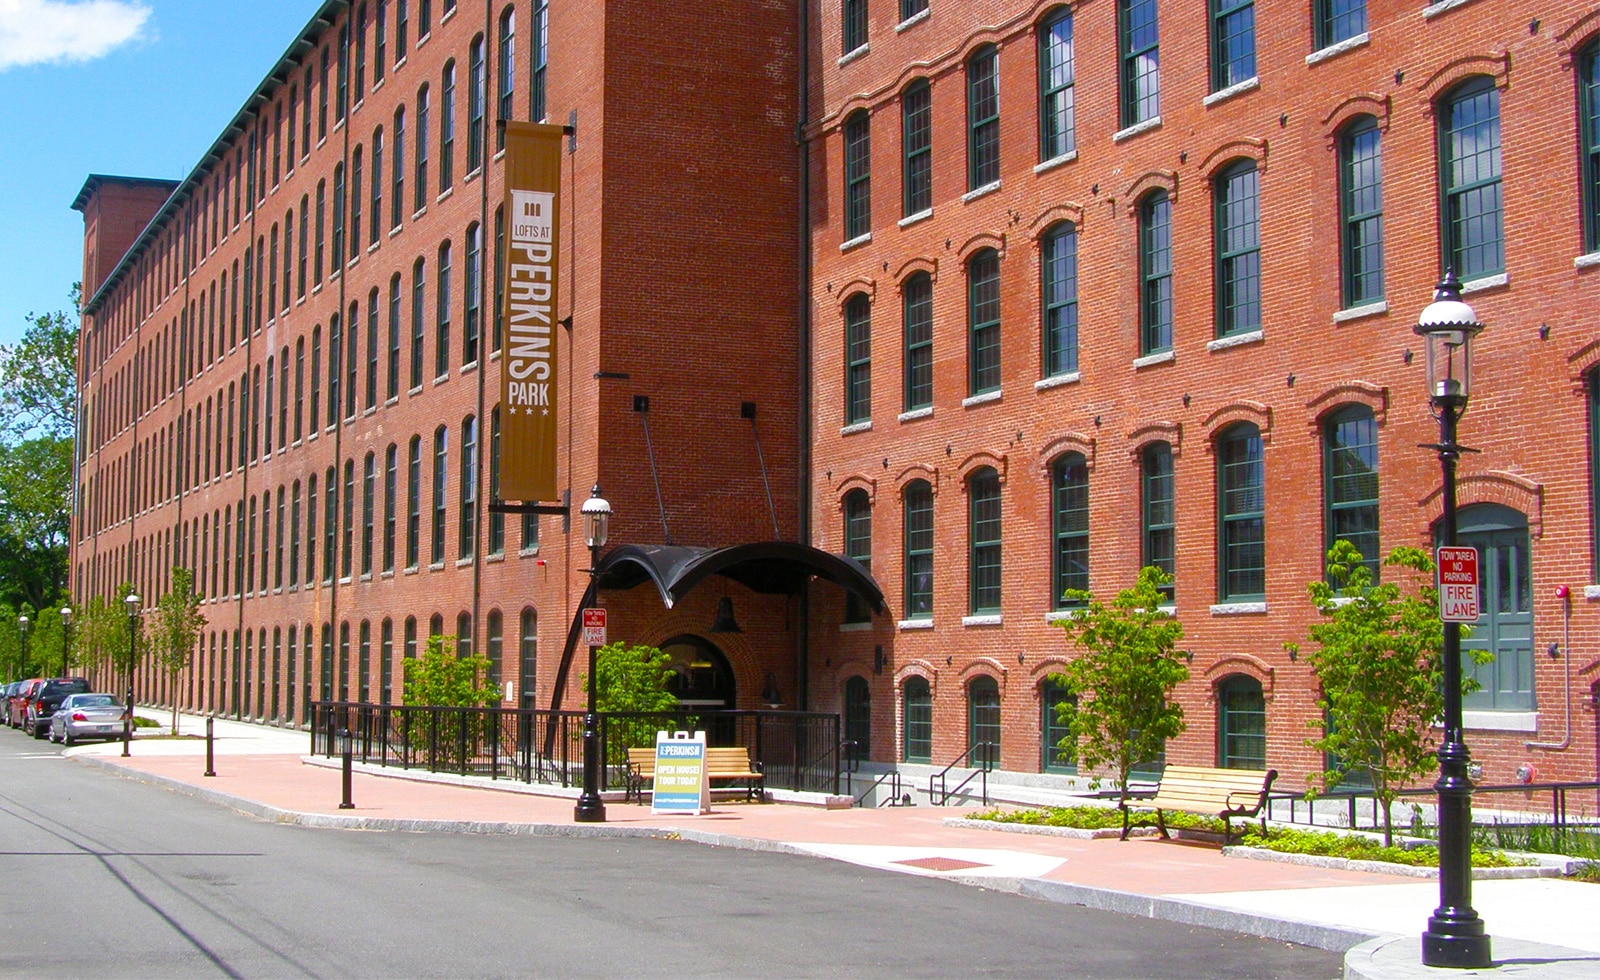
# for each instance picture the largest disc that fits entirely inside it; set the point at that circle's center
(1385, 867)
(1400, 958)
(1041, 830)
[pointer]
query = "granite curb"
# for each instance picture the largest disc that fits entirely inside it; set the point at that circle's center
(1385, 867)
(1400, 958)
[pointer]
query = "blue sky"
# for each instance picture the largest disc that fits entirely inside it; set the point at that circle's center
(130, 87)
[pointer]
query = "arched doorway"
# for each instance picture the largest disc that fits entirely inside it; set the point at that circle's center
(701, 676)
(1505, 622)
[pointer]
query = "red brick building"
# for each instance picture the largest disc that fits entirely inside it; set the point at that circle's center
(1041, 293)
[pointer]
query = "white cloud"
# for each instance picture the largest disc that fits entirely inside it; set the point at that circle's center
(39, 31)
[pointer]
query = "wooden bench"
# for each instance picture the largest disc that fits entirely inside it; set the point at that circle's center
(729, 763)
(1222, 793)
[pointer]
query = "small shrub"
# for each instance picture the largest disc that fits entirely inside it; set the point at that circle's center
(140, 721)
(1357, 848)
(1586, 871)
(1097, 818)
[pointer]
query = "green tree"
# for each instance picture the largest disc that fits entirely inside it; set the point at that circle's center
(440, 678)
(1377, 657)
(175, 629)
(631, 678)
(38, 376)
(1123, 680)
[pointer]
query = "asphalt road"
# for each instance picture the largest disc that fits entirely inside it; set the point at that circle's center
(103, 876)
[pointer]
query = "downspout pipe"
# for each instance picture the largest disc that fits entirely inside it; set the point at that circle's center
(1566, 687)
(803, 625)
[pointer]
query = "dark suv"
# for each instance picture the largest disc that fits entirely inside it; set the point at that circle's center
(48, 698)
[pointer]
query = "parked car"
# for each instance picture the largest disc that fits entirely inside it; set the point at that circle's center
(17, 704)
(48, 697)
(83, 716)
(6, 691)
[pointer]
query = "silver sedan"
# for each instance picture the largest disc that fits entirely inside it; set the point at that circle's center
(87, 716)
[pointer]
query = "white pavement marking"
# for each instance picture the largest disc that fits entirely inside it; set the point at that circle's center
(1542, 910)
(987, 863)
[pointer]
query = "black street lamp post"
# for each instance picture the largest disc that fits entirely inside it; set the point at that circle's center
(24, 627)
(590, 807)
(1455, 936)
(66, 637)
(130, 603)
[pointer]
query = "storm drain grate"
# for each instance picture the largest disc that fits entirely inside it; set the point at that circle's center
(941, 864)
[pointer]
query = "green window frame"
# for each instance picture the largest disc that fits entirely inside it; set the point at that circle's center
(1058, 277)
(1053, 730)
(1069, 497)
(916, 146)
(1339, 20)
(447, 126)
(1057, 110)
(541, 60)
(858, 718)
(857, 176)
(1350, 482)
(911, 8)
(413, 503)
(1592, 398)
(983, 118)
(506, 77)
(1589, 139)
(1158, 530)
(983, 721)
(472, 289)
(1233, 42)
(497, 519)
(1241, 723)
(918, 505)
(369, 486)
(1241, 510)
(467, 525)
(858, 546)
(858, 359)
(983, 322)
(441, 469)
(1155, 273)
(385, 662)
(984, 554)
(916, 720)
(528, 657)
(1473, 232)
(853, 25)
(391, 490)
(917, 306)
(1140, 48)
(364, 663)
(1238, 247)
(1361, 211)
(441, 304)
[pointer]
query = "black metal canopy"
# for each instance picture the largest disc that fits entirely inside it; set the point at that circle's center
(771, 567)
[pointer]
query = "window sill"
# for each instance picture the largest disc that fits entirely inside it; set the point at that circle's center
(472, 174)
(927, 413)
(915, 624)
(850, 56)
(1586, 261)
(1237, 340)
(1360, 312)
(373, 247)
(409, 570)
(1433, 10)
(1238, 88)
(419, 213)
(1062, 615)
(856, 627)
(913, 20)
(1238, 608)
(983, 399)
(437, 566)
(441, 379)
(400, 62)
(1338, 48)
(856, 427)
(983, 619)
(445, 195)
(927, 213)
(1151, 360)
(464, 562)
(978, 192)
(387, 574)
(1482, 283)
(1058, 381)
(495, 558)
(1055, 162)
(855, 242)
(391, 400)
(1501, 721)
(1591, 592)
(1129, 132)
(469, 367)
(528, 552)
(369, 410)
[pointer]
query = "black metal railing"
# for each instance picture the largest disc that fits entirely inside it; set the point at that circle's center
(981, 753)
(1352, 798)
(797, 750)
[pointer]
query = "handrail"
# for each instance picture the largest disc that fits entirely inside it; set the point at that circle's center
(1558, 797)
(986, 762)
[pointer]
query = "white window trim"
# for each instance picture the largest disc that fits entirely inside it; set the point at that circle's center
(1334, 50)
(1238, 608)
(1237, 340)
(1056, 161)
(1433, 10)
(1358, 312)
(912, 219)
(1154, 122)
(1159, 357)
(853, 54)
(915, 624)
(852, 429)
(983, 619)
(1501, 721)
(922, 413)
(855, 242)
(1486, 282)
(913, 20)
(1586, 260)
(1057, 381)
(983, 399)
(978, 192)
(1237, 88)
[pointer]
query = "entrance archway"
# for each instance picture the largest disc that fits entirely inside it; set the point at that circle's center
(701, 676)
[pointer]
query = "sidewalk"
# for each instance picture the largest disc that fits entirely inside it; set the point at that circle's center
(1540, 927)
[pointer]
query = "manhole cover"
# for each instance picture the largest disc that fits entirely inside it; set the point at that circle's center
(941, 864)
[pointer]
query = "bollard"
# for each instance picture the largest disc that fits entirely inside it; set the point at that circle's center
(345, 804)
(210, 757)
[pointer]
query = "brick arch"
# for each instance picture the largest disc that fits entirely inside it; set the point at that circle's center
(1578, 34)
(1069, 442)
(1239, 411)
(918, 471)
(984, 667)
(857, 102)
(854, 667)
(1362, 104)
(1239, 148)
(742, 659)
(980, 37)
(1233, 664)
(1068, 211)
(1151, 180)
(856, 481)
(914, 265)
(1170, 433)
(1582, 361)
(916, 668)
(865, 287)
(1490, 487)
(1050, 663)
(1335, 397)
(979, 241)
(1495, 65)
(979, 459)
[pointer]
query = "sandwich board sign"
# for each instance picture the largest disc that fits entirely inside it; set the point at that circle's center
(1458, 585)
(681, 785)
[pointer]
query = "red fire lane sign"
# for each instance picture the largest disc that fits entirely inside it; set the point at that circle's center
(1458, 584)
(594, 627)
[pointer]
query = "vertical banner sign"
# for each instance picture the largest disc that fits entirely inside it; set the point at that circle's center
(681, 785)
(1458, 585)
(529, 375)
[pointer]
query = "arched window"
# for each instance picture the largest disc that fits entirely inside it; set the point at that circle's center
(916, 148)
(472, 289)
(1058, 752)
(983, 720)
(1155, 272)
(858, 359)
(917, 719)
(435, 626)
(857, 175)
(1241, 508)
(1350, 487)
(369, 479)
(858, 545)
(476, 95)
(983, 117)
(386, 661)
(1469, 177)
(1056, 111)
(983, 322)
(541, 59)
(493, 646)
(420, 190)
(408, 650)
(375, 209)
(1241, 723)
(467, 526)
(528, 658)
(917, 301)
(497, 520)
(343, 668)
(858, 718)
(1589, 142)
(447, 126)
(918, 524)
(1157, 512)
(1237, 193)
(364, 663)
(507, 76)
(983, 523)
(392, 362)
(397, 169)
(1069, 496)
(1058, 277)
(464, 638)
(419, 287)
(1361, 212)
(441, 468)
(441, 300)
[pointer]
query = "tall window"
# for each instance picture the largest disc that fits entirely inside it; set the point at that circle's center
(858, 359)
(541, 59)
(1339, 20)
(917, 301)
(391, 486)
(1069, 494)
(494, 644)
(854, 24)
(420, 192)
(857, 719)
(1350, 475)
(472, 288)
(375, 208)
(911, 8)
(983, 720)
(397, 170)
(468, 523)
(1241, 506)
(1141, 61)
(441, 468)
(1057, 127)
(917, 718)
(419, 283)
(1361, 211)
(1589, 138)
(348, 554)
(338, 218)
(857, 176)
(316, 265)
(1233, 42)
(857, 545)
(413, 501)
(1238, 245)
(335, 372)
(477, 85)
(983, 559)
(369, 480)
(355, 203)
(1469, 138)
(392, 362)
(441, 303)
(380, 42)
(386, 661)
(916, 145)
(528, 656)
(507, 75)
(983, 118)
(1059, 305)
(372, 349)
(1055, 728)
(1155, 273)
(497, 519)
(983, 322)
(1241, 724)
(1157, 512)
(447, 126)
(918, 501)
